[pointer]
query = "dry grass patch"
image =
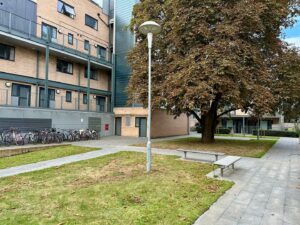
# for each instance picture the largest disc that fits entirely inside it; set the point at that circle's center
(111, 190)
(246, 148)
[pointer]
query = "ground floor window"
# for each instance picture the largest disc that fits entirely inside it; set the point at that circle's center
(21, 95)
(68, 96)
(51, 98)
(100, 103)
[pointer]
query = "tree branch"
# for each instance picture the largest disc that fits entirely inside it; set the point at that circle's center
(196, 115)
(227, 111)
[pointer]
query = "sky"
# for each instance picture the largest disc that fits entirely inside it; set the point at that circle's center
(292, 35)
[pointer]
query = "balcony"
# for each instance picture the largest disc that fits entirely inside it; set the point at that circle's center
(29, 33)
(57, 100)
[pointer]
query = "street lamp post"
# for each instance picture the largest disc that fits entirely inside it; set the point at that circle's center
(149, 28)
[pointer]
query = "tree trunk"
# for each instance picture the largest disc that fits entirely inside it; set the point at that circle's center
(209, 124)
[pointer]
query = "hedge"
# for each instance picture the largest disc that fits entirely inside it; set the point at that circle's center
(276, 133)
(219, 130)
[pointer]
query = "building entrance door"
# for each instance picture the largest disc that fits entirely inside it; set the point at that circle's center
(118, 126)
(143, 127)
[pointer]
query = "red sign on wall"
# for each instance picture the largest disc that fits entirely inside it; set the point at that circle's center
(106, 127)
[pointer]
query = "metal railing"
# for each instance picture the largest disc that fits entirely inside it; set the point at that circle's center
(55, 101)
(60, 36)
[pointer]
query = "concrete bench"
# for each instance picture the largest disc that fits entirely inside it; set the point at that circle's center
(216, 154)
(226, 162)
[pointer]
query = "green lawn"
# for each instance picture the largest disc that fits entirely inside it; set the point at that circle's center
(246, 148)
(42, 155)
(111, 190)
(248, 136)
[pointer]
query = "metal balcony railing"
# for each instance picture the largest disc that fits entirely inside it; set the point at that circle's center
(29, 99)
(60, 37)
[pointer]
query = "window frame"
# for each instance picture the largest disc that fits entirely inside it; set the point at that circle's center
(51, 29)
(90, 17)
(70, 41)
(10, 48)
(18, 94)
(99, 48)
(69, 93)
(65, 11)
(64, 61)
(84, 99)
(86, 45)
(93, 75)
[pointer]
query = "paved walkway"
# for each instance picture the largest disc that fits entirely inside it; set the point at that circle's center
(266, 191)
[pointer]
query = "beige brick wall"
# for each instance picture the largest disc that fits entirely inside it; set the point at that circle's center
(164, 125)
(47, 12)
(24, 64)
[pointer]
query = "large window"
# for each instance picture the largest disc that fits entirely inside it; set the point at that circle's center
(7, 52)
(68, 96)
(64, 66)
(91, 22)
(101, 52)
(51, 29)
(93, 74)
(21, 95)
(65, 9)
(51, 98)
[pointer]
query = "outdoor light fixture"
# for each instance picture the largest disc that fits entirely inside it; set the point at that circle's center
(149, 28)
(95, 96)
(57, 91)
(59, 31)
(8, 84)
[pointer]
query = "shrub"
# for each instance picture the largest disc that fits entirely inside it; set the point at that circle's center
(223, 131)
(276, 133)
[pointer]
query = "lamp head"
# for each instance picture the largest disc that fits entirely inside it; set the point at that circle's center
(150, 27)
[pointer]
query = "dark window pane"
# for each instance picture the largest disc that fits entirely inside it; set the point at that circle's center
(68, 96)
(52, 30)
(91, 22)
(70, 39)
(64, 66)
(86, 45)
(93, 74)
(102, 52)
(7, 52)
(21, 94)
(84, 99)
(65, 9)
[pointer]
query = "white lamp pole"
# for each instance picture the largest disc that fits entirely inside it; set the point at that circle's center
(149, 28)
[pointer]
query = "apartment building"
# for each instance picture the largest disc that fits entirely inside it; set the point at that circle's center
(63, 65)
(132, 120)
(55, 65)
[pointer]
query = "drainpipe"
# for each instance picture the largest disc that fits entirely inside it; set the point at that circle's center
(37, 77)
(47, 68)
(89, 80)
(78, 87)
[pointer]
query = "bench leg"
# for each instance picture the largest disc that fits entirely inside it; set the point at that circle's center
(222, 172)
(233, 166)
(185, 155)
(217, 157)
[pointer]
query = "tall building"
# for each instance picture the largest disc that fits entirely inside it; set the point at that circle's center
(63, 65)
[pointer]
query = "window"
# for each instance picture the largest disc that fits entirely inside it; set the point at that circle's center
(52, 30)
(65, 9)
(93, 74)
(7, 52)
(70, 39)
(100, 101)
(128, 121)
(84, 100)
(101, 52)
(86, 45)
(68, 96)
(91, 22)
(21, 95)
(64, 66)
(51, 98)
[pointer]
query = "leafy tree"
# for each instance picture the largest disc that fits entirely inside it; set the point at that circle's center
(212, 57)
